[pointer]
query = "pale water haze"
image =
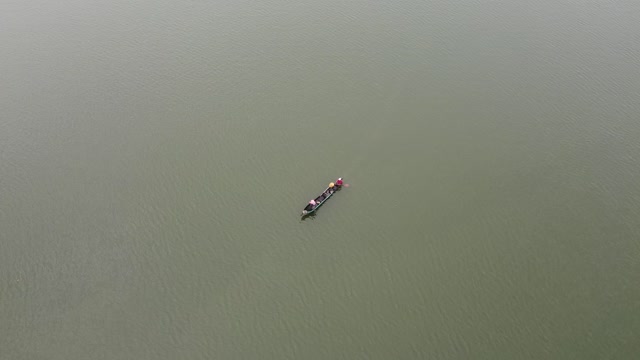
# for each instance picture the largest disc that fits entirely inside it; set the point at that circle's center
(155, 157)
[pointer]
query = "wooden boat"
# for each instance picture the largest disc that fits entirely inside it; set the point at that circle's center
(326, 194)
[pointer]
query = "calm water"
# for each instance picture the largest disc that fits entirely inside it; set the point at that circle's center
(155, 156)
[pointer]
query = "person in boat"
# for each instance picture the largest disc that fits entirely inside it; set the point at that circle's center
(339, 183)
(312, 203)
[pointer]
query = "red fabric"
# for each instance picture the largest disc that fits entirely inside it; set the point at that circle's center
(339, 182)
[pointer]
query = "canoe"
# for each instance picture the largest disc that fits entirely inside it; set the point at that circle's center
(326, 194)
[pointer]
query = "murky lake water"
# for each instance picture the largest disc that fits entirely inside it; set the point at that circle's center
(155, 157)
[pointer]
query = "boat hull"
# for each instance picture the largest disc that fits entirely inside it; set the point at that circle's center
(326, 194)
